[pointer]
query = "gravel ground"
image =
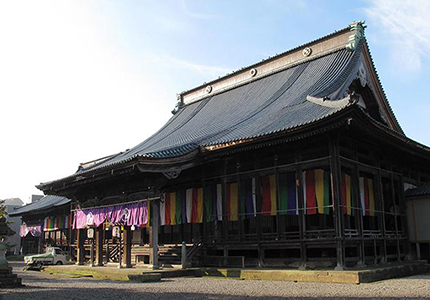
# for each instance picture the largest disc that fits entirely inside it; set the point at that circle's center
(44, 286)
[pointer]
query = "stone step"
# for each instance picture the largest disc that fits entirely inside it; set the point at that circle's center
(167, 258)
(10, 282)
(7, 276)
(6, 271)
(152, 277)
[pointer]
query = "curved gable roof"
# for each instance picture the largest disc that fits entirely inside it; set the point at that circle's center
(268, 105)
(44, 203)
(296, 88)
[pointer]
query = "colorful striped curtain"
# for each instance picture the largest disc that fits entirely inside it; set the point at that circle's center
(232, 201)
(219, 202)
(183, 206)
(348, 194)
(174, 201)
(367, 196)
(163, 212)
(189, 204)
(197, 206)
(288, 203)
(268, 188)
(167, 210)
(212, 195)
(247, 199)
(186, 206)
(209, 197)
(316, 191)
(56, 223)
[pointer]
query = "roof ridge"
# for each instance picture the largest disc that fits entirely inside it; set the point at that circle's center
(219, 85)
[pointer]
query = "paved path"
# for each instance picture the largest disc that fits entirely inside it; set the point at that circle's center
(59, 287)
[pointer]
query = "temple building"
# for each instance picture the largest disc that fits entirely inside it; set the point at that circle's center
(45, 223)
(295, 161)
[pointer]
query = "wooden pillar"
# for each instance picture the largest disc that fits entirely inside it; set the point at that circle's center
(335, 171)
(40, 243)
(279, 231)
(302, 220)
(224, 224)
(402, 212)
(395, 215)
(155, 227)
(204, 231)
(241, 214)
(259, 219)
(99, 246)
(382, 219)
(80, 246)
(128, 235)
(359, 215)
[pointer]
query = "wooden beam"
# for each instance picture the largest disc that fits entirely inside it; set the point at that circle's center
(128, 237)
(380, 193)
(359, 215)
(99, 246)
(393, 195)
(155, 227)
(224, 223)
(241, 216)
(302, 220)
(335, 171)
(80, 247)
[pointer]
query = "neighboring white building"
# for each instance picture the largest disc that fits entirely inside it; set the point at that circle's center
(11, 204)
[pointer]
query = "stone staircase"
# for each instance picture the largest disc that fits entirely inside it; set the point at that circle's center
(169, 255)
(8, 279)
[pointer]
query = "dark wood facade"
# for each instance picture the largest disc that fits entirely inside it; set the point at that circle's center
(355, 135)
(336, 239)
(60, 237)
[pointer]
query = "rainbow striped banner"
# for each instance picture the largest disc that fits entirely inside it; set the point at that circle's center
(212, 195)
(56, 223)
(197, 209)
(268, 187)
(232, 201)
(288, 195)
(184, 206)
(316, 191)
(247, 198)
(367, 196)
(348, 194)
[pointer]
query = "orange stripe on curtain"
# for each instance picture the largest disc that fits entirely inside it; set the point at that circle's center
(232, 199)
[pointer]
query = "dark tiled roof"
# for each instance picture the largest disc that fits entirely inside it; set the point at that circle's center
(44, 203)
(419, 191)
(262, 107)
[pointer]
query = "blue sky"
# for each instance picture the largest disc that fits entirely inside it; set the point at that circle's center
(83, 79)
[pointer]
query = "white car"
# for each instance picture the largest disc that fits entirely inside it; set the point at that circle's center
(52, 256)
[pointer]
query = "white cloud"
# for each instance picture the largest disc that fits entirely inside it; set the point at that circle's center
(405, 29)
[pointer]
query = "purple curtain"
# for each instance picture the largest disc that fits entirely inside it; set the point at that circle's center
(131, 214)
(35, 231)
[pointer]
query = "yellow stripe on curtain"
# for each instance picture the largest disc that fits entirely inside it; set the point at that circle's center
(319, 187)
(274, 206)
(173, 208)
(348, 194)
(234, 199)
